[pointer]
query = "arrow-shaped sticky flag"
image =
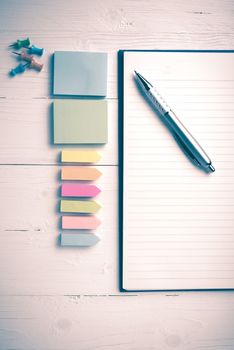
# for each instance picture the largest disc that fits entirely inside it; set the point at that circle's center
(80, 173)
(80, 222)
(79, 206)
(79, 190)
(78, 239)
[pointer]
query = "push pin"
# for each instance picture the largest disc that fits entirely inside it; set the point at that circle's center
(24, 56)
(33, 50)
(19, 69)
(21, 43)
(36, 65)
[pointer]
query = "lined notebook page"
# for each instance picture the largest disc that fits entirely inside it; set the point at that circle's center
(178, 222)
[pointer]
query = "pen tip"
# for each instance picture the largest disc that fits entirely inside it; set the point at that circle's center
(211, 168)
(136, 73)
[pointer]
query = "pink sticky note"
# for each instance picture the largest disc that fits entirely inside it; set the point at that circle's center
(80, 222)
(79, 190)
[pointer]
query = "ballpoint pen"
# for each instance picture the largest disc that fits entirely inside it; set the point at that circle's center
(187, 142)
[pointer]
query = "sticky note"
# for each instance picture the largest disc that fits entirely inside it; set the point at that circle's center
(80, 222)
(79, 190)
(80, 156)
(80, 121)
(78, 239)
(79, 206)
(80, 73)
(82, 173)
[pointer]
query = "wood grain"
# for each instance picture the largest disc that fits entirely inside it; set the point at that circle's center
(188, 321)
(59, 299)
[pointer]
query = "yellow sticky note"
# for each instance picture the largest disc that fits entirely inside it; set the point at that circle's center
(80, 156)
(79, 206)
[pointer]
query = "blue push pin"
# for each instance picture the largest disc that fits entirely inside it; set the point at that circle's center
(33, 50)
(19, 69)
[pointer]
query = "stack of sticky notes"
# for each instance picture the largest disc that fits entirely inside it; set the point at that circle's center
(78, 192)
(76, 122)
(80, 73)
(80, 121)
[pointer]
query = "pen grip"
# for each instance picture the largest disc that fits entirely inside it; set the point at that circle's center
(158, 102)
(187, 139)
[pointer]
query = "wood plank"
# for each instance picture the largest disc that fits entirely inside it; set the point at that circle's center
(26, 133)
(38, 85)
(118, 17)
(187, 321)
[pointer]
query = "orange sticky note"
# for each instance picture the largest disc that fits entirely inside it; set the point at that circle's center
(80, 222)
(83, 173)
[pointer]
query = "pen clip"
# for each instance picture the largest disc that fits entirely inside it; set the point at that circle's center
(185, 149)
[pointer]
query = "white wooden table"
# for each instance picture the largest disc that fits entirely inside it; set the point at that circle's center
(53, 298)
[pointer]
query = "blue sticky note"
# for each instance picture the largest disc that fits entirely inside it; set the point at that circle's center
(80, 73)
(78, 239)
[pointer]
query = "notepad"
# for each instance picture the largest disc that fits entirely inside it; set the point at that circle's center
(177, 221)
(80, 73)
(80, 121)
